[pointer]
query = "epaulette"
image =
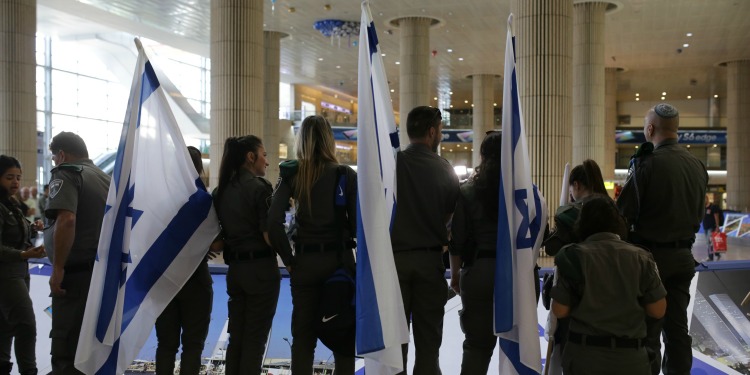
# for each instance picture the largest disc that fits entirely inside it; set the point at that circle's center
(288, 168)
(646, 148)
(68, 167)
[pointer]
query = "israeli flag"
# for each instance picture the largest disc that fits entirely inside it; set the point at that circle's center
(522, 216)
(381, 323)
(158, 224)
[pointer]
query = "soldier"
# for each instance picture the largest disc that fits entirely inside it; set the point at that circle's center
(427, 189)
(78, 194)
(607, 287)
(663, 204)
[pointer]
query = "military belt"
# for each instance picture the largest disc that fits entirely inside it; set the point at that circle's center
(605, 341)
(247, 255)
(318, 247)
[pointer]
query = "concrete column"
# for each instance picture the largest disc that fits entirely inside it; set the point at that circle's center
(588, 82)
(483, 118)
(271, 131)
(414, 77)
(544, 57)
(738, 135)
(610, 123)
(18, 85)
(237, 49)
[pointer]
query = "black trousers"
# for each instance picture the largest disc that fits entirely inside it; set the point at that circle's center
(185, 320)
(67, 318)
(676, 269)
(589, 360)
(477, 283)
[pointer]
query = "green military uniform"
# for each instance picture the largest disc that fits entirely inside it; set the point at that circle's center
(427, 190)
(253, 278)
(663, 201)
(606, 282)
(17, 320)
(563, 234)
(81, 188)
(319, 250)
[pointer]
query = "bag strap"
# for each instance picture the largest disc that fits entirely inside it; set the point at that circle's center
(339, 209)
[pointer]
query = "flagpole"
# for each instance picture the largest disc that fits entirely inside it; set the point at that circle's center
(138, 45)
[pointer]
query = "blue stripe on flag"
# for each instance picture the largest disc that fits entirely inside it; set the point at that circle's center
(164, 250)
(149, 84)
(372, 39)
(513, 351)
(503, 265)
(515, 112)
(368, 313)
(113, 273)
(110, 365)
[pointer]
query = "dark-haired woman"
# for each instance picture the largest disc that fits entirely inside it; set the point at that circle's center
(187, 316)
(584, 181)
(17, 321)
(474, 238)
(321, 240)
(253, 279)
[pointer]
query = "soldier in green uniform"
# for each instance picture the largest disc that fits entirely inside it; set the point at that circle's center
(17, 322)
(253, 279)
(78, 194)
(663, 204)
(607, 287)
(321, 242)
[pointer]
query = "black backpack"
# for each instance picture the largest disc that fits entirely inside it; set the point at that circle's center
(336, 324)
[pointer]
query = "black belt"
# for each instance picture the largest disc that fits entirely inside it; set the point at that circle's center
(79, 267)
(486, 254)
(677, 244)
(247, 255)
(431, 248)
(318, 247)
(605, 341)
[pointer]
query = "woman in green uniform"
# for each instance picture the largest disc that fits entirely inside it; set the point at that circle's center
(253, 279)
(17, 321)
(325, 195)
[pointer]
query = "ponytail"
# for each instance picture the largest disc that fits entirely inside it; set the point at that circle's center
(589, 175)
(235, 151)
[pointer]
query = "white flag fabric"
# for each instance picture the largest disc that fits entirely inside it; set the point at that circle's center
(381, 323)
(158, 224)
(522, 216)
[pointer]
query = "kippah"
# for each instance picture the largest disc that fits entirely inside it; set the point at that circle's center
(665, 110)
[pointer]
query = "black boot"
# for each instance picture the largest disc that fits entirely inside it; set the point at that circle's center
(5, 368)
(30, 372)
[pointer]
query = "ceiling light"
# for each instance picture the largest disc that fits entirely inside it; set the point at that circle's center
(320, 59)
(451, 105)
(494, 104)
(435, 98)
(450, 50)
(472, 105)
(664, 93)
(685, 45)
(338, 66)
(466, 147)
(637, 99)
(351, 101)
(450, 93)
(336, 96)
(392, 90)
(688, 146)
(636, 147)
(716, 96)
(689, 97)
(716, 146)
(466, 102)
(398, 62)
(460, 59)
(637, 94)
(382, 54)
(662, 98)
(689, 34)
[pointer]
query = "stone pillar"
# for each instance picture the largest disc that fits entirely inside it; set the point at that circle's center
(588, 82)
(414, 77)
(610, 123)
(483, 118)
(544, 57)
(18, 85)
(236, 74)
(271, 131)
(738, 135)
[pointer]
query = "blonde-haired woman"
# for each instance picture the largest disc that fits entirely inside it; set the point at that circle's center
(325, 196)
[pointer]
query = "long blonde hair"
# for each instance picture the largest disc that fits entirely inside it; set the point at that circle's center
(315, 148)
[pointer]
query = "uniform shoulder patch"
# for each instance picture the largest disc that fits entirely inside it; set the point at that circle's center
(54, 187)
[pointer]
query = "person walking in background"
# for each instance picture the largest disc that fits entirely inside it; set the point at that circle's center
(187, 316)
(253, 279)
(427, 190)
(663, 202)
(606, 287)
(326, 220)
(711, 221)
(29, 200)
(17, 322)
(78, 195)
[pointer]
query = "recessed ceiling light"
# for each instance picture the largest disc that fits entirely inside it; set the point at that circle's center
(336, 96)
(466, 101)
(636, 147)
(716, 96)
(466, 147)
(351, 101)
(716, 146)
(637, 99)
(662, 98)
(472, 105)
(450, 50)
(460, 59)
(689, 97)
(494, 104)
(435, 98)
(382, 54)
(664, 93)
(320, 59)
(689, 34)
(392, 90)
(451, 105)
(338, 66)
(450, 93)
(685, 45)
(637, 94)
(398, 62)
(688, 146)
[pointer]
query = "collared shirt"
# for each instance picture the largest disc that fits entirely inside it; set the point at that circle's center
(243, 212)
(426, 194)
(663, 198)
(606, 283)
(472, 228)
(81, 188)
